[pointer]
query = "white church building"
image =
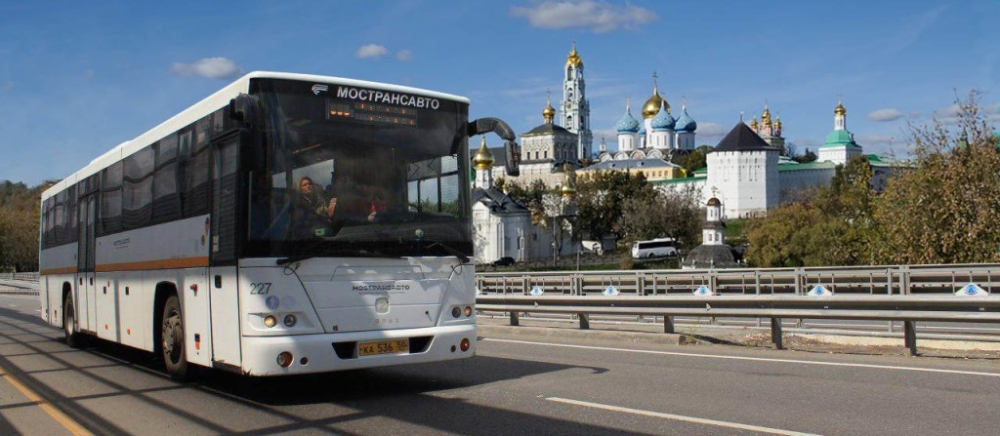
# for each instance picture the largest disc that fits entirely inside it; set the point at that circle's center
(746, 174)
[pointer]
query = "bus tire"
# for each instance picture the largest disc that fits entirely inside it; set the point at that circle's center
(172, 334)
(69, 321)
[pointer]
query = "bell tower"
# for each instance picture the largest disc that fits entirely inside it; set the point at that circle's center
(575, 107)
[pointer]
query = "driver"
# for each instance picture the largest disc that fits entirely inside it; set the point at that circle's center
(313, 210)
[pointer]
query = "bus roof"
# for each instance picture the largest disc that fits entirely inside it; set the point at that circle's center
(212, 103)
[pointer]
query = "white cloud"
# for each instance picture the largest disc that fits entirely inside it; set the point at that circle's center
(888, 114)
(371, 51)
(599, 16)
(711, 131)
(404, 55)
(213, 68)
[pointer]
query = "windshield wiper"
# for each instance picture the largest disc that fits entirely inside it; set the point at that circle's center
(460, 255)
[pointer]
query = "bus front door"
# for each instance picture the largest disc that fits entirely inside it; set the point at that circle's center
(86, 295)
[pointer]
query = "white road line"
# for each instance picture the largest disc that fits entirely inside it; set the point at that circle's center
(679, 417)
(754, 359)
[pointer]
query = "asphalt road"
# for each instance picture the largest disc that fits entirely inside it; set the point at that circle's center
(516, 385)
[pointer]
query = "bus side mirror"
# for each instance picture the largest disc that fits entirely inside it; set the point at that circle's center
(245, 108)
(512, 158)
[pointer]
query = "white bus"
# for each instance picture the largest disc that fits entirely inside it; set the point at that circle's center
(661, 247)
(197, 241)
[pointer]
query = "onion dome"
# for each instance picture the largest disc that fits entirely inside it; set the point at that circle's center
(549, 112)
(628, 123)
(567, 190)
(653, 105)
(662, 121)
(574, 58)
(777, 123)
(685, 123)
(754, 125)
(483, 159)
(839, 110)
(765, 118)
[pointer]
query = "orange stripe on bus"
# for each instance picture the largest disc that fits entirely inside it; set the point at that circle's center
(187, 262)
(66, 270)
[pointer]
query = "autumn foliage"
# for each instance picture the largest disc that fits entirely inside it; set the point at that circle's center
(943, 206)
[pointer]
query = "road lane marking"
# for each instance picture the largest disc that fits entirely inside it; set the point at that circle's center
(63, 420)
(753, 359)
(683, 418)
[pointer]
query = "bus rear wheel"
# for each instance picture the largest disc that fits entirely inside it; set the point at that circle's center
(69, 321)
(172, 334)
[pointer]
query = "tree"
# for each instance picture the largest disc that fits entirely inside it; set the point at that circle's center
(693, 161)
(674, 214)
(945, 208)
(19, 217)
(829, 225)
(807, 157)
(601, 199)
(786, 237)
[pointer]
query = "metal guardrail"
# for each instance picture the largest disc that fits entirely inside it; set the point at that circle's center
(870, 280)
(907, 308)
(26, 276)
(890, 293)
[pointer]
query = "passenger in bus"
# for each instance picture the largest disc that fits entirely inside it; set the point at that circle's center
(312, 211)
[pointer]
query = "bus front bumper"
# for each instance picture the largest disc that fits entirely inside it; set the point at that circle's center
(341, 351)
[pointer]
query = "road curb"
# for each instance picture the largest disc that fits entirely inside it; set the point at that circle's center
(546, 334)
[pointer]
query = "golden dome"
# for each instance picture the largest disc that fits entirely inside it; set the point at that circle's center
(652, 106)
(483, 159)
(549, 112)
(753, 124)
(777, 123)
(766, 116)
(568, 188)
(840, 110)
(574, 58)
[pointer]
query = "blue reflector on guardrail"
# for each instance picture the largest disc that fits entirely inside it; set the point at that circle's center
(971, 290)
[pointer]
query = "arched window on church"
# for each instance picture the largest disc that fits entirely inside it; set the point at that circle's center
(569, 73)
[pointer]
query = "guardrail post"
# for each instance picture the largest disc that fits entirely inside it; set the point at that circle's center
(668, 324)
(513, 319)
(910, 336)
(776, 333)
(584, 321)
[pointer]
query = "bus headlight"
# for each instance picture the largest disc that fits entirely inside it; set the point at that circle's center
(468, 311)
(290, 320)
(270, 321)
(456, 312)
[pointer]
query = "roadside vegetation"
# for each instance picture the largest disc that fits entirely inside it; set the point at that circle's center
(19, 212)
(941, 207)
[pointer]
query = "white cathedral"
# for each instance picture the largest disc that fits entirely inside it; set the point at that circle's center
(746, 174)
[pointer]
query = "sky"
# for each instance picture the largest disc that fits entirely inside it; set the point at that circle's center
(78, 78)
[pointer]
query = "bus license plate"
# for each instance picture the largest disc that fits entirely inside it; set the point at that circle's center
(383, 347)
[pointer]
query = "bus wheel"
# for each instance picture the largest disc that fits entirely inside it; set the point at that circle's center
(69, 319)
(174, 356)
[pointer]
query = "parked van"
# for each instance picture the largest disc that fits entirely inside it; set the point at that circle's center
(662, 247)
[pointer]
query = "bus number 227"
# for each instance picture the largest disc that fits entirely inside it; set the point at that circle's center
(260, 288)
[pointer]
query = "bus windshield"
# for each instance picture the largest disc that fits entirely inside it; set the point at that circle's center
(344, 173)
